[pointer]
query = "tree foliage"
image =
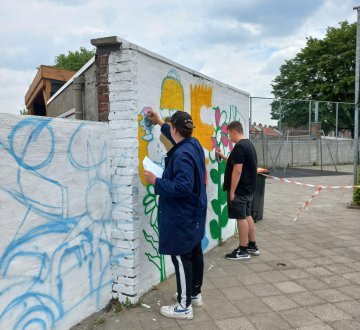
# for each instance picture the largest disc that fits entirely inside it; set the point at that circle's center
(324, 70)
(74, 60)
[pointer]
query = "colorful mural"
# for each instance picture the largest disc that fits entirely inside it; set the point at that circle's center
(172, 92)
(221, 139)
(171, 100)
(55, 250)
(201, 100)
(144, 137)
(151, 209)
(210, 129)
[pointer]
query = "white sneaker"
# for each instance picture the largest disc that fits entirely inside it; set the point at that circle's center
(177, 312)
(196, 301)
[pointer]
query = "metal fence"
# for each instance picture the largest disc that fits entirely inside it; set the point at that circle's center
(302, 132)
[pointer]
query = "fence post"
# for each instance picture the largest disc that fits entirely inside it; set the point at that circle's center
(280, 115)
(336, 133)
(356, 119)
(321, 160)
(250, 113)
(263, 148)
(309, 134)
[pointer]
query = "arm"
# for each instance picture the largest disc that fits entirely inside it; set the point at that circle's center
(154, 117)
(183, 182)
(165, 129)
(221, 155)
(235, 178)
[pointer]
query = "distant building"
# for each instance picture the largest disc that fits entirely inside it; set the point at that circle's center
(342, 133)
(46, 83)
(263, 129)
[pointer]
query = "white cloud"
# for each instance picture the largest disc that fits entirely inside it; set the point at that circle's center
(13, 86)
(241, 43)
(277, 58)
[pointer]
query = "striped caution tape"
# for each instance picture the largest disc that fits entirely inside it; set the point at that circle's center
(313, 196)
(307, 203)
(308, 184)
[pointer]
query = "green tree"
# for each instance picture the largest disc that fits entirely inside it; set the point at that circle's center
(74, 60)
(24, 112)
(323, 70)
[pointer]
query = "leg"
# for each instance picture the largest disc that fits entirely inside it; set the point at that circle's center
(197, 260)
(237, 209)
(251, 225)
(183, 271)
(182, 309)
(243, 229)
(252, 248)
(177, 276)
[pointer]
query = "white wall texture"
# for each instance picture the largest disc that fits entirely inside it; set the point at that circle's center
(139, 80)
(55, 211)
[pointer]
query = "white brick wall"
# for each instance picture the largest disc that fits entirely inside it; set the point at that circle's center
(136, 80)
(124, 169)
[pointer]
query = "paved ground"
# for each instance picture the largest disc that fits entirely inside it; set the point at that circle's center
(307, 277)
(302, 172)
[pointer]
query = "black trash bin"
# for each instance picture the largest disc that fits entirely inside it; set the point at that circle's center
(257, 206)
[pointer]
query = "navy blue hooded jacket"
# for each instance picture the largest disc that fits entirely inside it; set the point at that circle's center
(183, 200)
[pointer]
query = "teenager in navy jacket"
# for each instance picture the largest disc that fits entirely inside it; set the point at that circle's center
(182, 211)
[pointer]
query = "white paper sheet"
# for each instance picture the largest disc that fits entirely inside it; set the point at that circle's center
(149, 165)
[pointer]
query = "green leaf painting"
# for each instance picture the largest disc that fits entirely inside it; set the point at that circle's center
(221, 139)
(151, 209)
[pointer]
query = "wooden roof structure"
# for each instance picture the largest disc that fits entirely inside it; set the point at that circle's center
(47, 82)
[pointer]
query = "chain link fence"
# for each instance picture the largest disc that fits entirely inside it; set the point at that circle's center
(288, 133)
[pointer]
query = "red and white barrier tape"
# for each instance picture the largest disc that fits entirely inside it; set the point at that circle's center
(308, 184)
(313, 196)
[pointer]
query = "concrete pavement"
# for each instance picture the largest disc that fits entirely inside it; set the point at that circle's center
(307, 276)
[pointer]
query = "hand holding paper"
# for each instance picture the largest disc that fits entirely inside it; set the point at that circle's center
(152, 171)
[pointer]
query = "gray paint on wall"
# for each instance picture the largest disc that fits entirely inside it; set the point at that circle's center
(90, 95)
(62, 103)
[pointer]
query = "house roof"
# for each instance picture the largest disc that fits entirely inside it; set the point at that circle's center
(41, 85)
(268, 131)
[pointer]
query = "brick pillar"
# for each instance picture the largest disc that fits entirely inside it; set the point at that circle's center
(117, 98)
(102, 83)
(104, 47)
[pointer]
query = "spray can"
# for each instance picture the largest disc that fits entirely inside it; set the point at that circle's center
(217, 157)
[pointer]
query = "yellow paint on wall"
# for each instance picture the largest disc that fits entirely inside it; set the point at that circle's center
(172, 92)
(143, 147)
(201, 96)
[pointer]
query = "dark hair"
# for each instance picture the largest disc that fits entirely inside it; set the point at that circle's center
(235, 126)
(183, 123)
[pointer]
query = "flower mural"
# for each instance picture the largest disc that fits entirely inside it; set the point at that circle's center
(221, 139)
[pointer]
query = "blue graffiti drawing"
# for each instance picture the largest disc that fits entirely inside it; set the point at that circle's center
(63, 235)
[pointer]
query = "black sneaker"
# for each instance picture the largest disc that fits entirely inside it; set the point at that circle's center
(253, 250)
(237, 254)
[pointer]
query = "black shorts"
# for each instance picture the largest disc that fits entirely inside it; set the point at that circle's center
(240, 207)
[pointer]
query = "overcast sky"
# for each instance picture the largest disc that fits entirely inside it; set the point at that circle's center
(239, 42)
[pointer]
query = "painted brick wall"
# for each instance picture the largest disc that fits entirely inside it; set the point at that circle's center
(83, 221)
(139, 79)
(126, 233)
(55, 221)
